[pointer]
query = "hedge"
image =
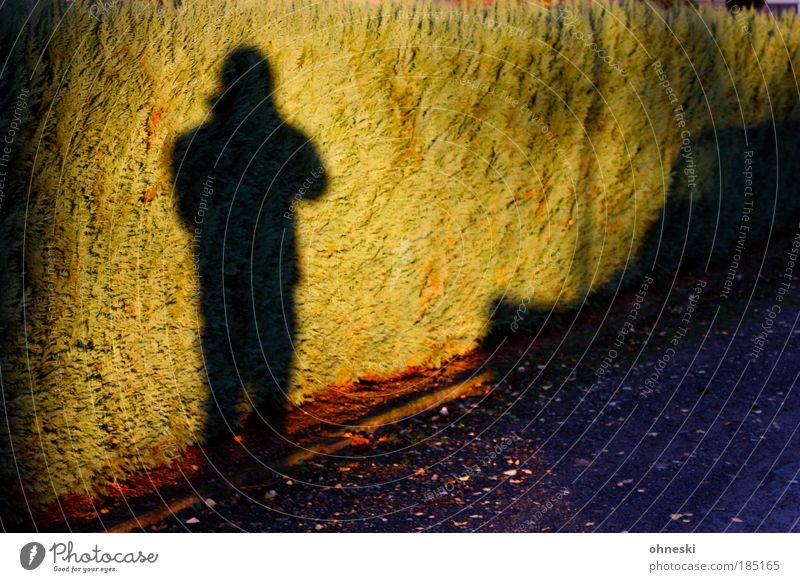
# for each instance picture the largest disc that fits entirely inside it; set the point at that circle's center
(224, 207)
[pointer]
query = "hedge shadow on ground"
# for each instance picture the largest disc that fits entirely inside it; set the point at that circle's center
(745, 193)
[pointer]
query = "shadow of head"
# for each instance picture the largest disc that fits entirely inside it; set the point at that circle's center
(246, 83)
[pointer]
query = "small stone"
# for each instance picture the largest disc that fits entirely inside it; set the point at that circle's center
(192, 521)
(443, 411)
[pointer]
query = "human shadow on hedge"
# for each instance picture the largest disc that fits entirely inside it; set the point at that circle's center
(238, 180)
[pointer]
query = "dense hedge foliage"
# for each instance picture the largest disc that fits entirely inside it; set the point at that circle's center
(371, 181)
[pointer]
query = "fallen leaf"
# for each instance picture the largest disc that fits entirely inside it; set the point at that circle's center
(360, 442)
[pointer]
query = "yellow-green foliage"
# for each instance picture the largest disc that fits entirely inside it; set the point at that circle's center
(470, 158)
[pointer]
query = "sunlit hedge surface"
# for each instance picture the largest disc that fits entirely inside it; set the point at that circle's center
(370, 191)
